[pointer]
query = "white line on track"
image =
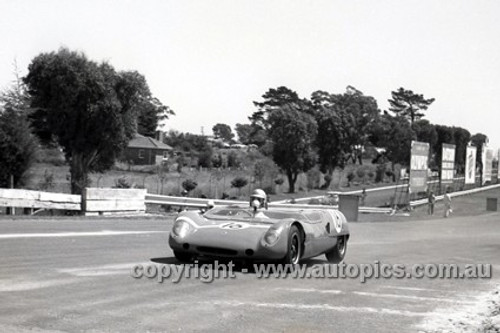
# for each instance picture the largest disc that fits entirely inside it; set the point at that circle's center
(77, 234)
(104, 270)
(311, 290)
(301, 307)
(14, 285)
(418, 298)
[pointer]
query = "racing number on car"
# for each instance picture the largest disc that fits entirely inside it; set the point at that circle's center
(233, 226)
(337, 222)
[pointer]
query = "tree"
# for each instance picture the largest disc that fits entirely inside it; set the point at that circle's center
(151, 112)
(332, 147)
(244, 132)
(394, 133)
(408, 104)
(239, 183)
(273, 99)
(462, 139)
(16, 96)
(293, 133)
(479, 140)
(223, 131)
(426, 132)
(88, 107)
(18, 147)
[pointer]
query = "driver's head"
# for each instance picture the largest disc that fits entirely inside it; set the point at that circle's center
(258, 198)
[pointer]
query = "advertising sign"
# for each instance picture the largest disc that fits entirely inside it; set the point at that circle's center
(418, 166)
(447, 164)
(470, 165)
(487, 164)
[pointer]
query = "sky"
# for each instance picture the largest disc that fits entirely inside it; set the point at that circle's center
(208, 60)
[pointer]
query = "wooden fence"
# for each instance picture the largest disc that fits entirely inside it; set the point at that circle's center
(102, 201)
(37, 200)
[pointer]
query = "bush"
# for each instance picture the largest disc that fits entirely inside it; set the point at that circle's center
(122, 182)
(232, 160)
(51, 156)
(189, 185)
(47, 181)
(350, 177)
(269, 190)
(239, 183)
(379, 173)
(361, 173)
(313, 178)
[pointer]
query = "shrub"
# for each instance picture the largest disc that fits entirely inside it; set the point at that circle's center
(122, 182)
(239, 183)
(360, 172)
(189, 185)
(379, 173)
(350, 177)
(232, 160)
(313, 178)
(47, 181)
(269, 190)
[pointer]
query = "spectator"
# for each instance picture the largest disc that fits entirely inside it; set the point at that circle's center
(431, 202)
(363, 197)
(447, 204)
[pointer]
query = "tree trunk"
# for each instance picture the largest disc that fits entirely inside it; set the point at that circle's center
(328, 181)
(79, 173)
(291, 181)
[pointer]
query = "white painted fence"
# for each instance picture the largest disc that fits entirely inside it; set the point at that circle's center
(37, 199)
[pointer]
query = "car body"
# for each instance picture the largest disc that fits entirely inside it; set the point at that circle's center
(287, 235)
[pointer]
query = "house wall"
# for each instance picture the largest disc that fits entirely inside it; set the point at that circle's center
(149, 155)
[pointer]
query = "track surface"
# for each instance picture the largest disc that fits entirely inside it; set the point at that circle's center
(74, 275)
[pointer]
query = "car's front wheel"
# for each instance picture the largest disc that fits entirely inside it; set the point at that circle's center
(294, 246)
(183, 256)
(337, 254)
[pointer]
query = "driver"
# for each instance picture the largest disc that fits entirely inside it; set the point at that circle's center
(258, 199)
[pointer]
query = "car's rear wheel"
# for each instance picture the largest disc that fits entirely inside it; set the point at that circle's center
(337, 254)
(183, 256)
(294, 246)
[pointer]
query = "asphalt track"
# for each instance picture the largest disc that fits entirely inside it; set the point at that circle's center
(75, 275)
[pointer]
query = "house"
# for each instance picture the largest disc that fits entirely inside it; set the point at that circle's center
(145, 150)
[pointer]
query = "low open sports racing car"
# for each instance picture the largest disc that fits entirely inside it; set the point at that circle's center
(287, 235)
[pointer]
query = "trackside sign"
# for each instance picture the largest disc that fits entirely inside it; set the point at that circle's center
(418, 166)
(447, 163)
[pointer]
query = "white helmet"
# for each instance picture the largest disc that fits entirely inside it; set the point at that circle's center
(258, 199)
(258, 193)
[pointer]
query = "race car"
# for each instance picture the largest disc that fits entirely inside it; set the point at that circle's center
(286, 235)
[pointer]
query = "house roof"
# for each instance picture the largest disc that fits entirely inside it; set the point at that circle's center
(144, 142)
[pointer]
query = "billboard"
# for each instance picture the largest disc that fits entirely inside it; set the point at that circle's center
(470, 165)
(447, 164)
(487, 164)
(418, 166)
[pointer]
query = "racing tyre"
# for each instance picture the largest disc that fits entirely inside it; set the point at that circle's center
(183, 256)
(337, 254)
(294, 247)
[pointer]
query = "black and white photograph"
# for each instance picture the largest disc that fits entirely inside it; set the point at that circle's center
(253, 166)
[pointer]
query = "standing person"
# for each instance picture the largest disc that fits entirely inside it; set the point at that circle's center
(447, 204)
(431, 201)
(363, 197)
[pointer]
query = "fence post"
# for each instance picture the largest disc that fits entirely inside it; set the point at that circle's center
(11, 210)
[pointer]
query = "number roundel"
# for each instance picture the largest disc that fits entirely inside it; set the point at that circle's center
(234, 226)
(337, 220)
